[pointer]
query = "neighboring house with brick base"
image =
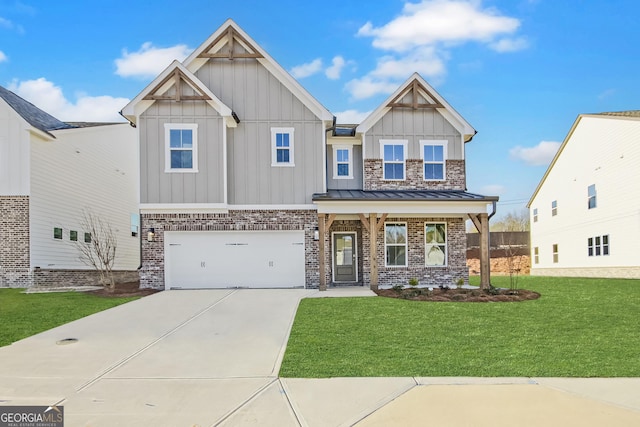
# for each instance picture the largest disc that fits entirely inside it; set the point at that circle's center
(585, 212)
(246, 180)
(50, 171)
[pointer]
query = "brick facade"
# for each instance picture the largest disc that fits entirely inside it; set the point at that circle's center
(152, 271)
(43, 278)
(431, 276)
(455, 171)
(14, 241)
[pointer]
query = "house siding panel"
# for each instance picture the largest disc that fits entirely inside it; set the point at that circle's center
(14, 152)
(345, 184)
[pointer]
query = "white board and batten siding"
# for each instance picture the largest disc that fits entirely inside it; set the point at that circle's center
(603, 151)
(232, 259)
(93, 167)
(14, 152)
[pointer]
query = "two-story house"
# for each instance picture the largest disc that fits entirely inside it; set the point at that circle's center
(51, 173)
(584, 214)
(246, 180)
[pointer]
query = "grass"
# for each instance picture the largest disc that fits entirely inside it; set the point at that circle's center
(23, 315)
(578, 328)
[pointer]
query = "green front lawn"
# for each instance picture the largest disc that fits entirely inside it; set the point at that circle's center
(578, 328)
(23, 315)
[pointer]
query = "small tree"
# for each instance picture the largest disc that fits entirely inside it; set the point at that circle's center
(99, 250)
(512, 222)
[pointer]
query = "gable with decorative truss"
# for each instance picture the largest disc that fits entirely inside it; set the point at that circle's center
(415, 96)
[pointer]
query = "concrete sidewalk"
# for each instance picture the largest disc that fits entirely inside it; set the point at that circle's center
(207, 358)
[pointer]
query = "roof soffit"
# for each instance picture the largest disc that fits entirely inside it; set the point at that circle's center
(230, 42)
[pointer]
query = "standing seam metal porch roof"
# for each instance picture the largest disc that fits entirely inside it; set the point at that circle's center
(402, 195)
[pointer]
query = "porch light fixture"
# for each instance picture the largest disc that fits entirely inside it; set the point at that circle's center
(316, 234)
(151, 234)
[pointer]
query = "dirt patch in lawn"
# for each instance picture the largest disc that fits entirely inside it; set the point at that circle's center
(460, 295)
(129, 289)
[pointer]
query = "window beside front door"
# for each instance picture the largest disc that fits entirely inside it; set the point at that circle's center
(394, 156)
(395, 244)
(345, 265)
(181, 147)
(435, 235)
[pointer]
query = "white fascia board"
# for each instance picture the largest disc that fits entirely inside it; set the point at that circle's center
(193, 63)
(178, 208)
(402, 207)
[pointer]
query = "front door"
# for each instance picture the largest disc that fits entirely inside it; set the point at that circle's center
(345, 264)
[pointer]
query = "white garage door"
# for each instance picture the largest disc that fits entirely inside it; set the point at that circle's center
(226, 259)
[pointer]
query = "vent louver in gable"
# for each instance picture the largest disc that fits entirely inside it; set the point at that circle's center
(415, 96)
(230, 45)
(177, 87)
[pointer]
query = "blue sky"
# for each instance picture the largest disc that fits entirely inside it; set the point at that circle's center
(520, 71)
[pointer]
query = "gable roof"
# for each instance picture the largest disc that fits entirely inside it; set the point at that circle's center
(221, 43)
(174, 75)
(423, 96)
(37, 118)
(623, 115)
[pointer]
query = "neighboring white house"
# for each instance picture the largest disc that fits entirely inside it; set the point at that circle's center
(585, 213)
(50, 171)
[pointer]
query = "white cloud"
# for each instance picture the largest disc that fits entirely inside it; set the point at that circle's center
(351, 116)
(3, 57)
(337, 64)
(367, 87)
(424, 60)
(540, 155)
(49, 98)
(149, 61)
(510, 45)
(493, 189)
(440, 21)
(308, 69)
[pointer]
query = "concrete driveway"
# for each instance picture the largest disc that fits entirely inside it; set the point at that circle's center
(205, 358)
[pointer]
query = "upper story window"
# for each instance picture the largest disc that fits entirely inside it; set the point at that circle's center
(73, 235)
(395, 244)
(342, 162)
(434, 154)
(181, 147)
(135, 224)
(591, 192)
(435, 235)
(282, 147)
(57, 233)
(535, 215)
(394, 156)
(554, 208)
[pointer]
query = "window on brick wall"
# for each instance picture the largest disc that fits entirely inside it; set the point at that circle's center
(435, 237)
(434, 155)
(394, 155)
(57, 233)
(395, 244)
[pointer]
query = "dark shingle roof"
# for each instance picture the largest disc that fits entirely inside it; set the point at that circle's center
(32, 114)
(630, 113)
(402, 195)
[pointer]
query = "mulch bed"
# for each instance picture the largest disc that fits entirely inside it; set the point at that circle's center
(130, 289)
(460, 295)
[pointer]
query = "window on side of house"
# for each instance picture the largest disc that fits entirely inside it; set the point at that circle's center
(57, 233)
(282, 144)
(434, 155)
(435, 236)
(135, 224)
(597, 246)
(395, 244)
(536, 255)
(590, 251)
(535, 215)
(181, 147)
(394, 156)
(554, 208)
(87, 237)
(555, 253)
(73, 236)
(591, 193)
(342, 162)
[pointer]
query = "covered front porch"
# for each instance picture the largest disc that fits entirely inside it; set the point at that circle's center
(374, 238)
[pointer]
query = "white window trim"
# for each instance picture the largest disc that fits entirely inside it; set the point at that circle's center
(349, 148)
(167, 147)
(404, 143)
(446, 245)
(443, 143)
(274, 156)
(594, 197)
(554, 209)
(406, 244)
(535, 214)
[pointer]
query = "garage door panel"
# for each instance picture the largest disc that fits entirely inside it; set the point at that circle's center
(234, 259)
